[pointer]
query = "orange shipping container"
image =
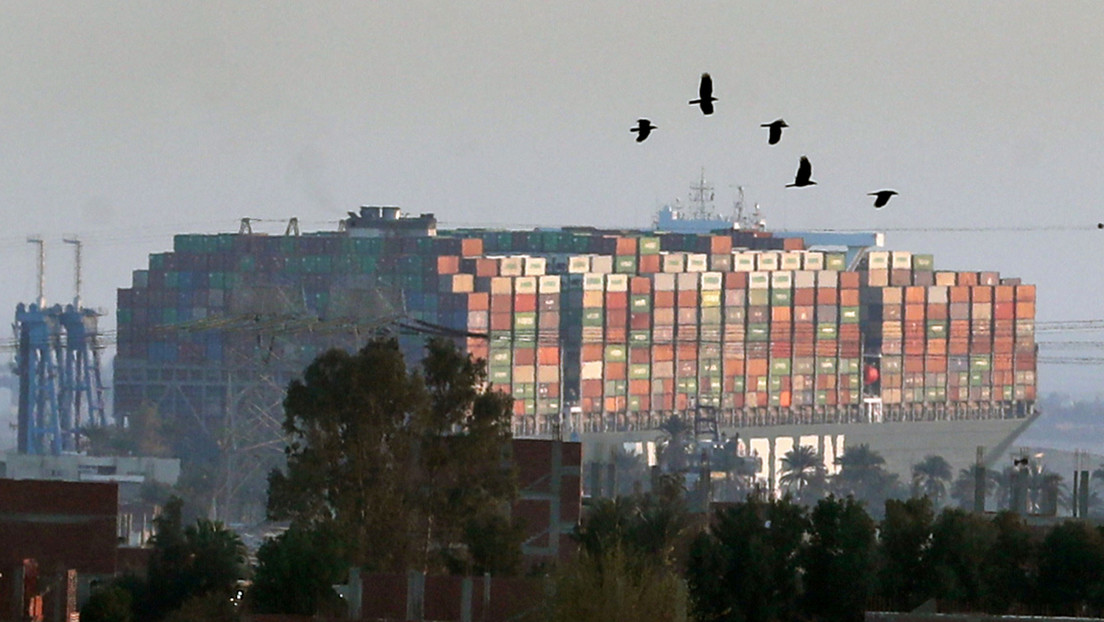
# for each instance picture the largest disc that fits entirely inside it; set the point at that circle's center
(981, 293)
(848, 297)
(478, 301)
(1025, 310)
(967, 278)
(617, 300)
(592, 352)
(781, 314)
(664, 300)
(547, 355)
(639, 387)
(827, 296)
(849, 280)
(640, 285)
(688, 298)
(448, 264)
(649, 264)
(756, 367)
(959, 293)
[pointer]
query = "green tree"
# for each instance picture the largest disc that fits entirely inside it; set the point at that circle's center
(651, 525)
(930, 478)
(839, 561)
(187, 562)
(745, 567)
(960, 546)
(803, 474)
(616, 586)
(799, 467)
(1010, 566)
(1071, 570)
(905, 537)
(296, 572)
(403, 464)
(112, 603)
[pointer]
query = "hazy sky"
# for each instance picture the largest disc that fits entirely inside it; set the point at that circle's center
(124, 123)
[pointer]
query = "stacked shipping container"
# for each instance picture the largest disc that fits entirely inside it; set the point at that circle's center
(628, 326)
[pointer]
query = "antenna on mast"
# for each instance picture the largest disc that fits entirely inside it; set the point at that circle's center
(77, 284)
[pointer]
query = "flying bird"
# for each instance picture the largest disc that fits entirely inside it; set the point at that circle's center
(643, 128)
(881, 197)
(804, 174)
(705, 95)
(775, 131)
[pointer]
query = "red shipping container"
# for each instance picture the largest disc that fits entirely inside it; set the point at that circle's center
(967, 278)
(617, 333)
(781, 314)
(525, 303)
(736, 280)
(937, 348)
(617, 317)
(665, 300)
(688, 298)
(640, 321)
(935, 364)
(848, 297)
(1025, 293)
(640, 285)
(525, 356)
(1004, 293)
(501, 303)
(1025, 310)
(825, 381)
(649, 264)
(827, 296)
(502, 321)
(804, 296)
(616, 371)
(617, 300)
(688, 351)
(958, 293)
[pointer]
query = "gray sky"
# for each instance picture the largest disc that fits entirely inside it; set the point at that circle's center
(127, 122)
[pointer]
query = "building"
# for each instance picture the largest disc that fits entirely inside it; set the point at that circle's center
(597, 333)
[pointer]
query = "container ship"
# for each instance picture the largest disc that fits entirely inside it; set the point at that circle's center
(601, 334)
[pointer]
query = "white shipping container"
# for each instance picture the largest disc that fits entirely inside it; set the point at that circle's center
(535, 266)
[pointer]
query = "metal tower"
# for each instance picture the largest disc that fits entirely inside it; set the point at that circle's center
(58, 365)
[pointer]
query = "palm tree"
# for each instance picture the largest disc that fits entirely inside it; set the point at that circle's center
(863, 476)
(800, 466)
(962, 490)
(930, 478)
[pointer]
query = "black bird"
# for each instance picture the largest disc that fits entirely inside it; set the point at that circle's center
(705, 95)
(804, 174)
(644, 127)
(881, 197)
(775, 131)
